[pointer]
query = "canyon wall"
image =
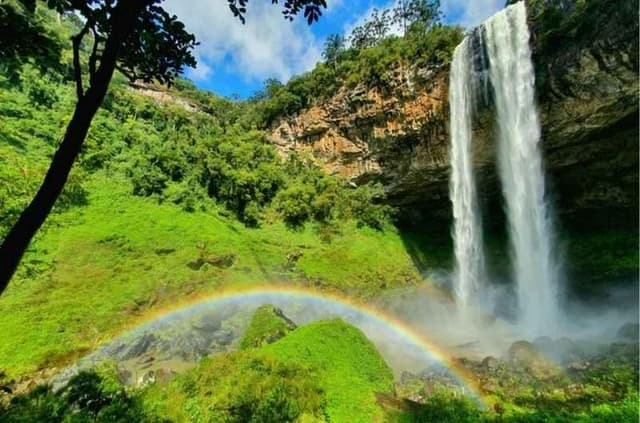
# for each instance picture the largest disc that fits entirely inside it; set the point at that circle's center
(587, 86)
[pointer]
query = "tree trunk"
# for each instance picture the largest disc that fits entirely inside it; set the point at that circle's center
(32, 218)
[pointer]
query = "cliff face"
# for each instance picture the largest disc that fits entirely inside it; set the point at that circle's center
(587, 78)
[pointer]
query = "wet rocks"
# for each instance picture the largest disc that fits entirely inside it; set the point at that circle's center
(490, 364)
(138, 347)
(207, 323)
(578, 366)
(523, 352)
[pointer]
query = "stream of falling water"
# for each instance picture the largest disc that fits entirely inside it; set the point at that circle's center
(469, 274)
(521, 170)
(505, 41)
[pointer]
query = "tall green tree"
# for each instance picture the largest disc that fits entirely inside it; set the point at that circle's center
(417, 15)
(144, 42)
(333, 46)
(374, 29)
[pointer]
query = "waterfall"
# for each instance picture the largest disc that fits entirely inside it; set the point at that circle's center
(521, 170)
(469, 273)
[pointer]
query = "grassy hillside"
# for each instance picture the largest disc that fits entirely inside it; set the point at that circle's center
(99, 267)
(176, 194)
(324, 371)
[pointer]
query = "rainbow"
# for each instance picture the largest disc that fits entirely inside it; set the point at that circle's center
(296, 294)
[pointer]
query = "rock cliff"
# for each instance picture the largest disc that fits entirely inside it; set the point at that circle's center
(586, 62)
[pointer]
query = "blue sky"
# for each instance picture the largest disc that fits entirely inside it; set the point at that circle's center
(237, 59)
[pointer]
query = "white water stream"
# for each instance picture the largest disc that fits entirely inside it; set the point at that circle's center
(521, 170)
(469, 274)
(535, 265)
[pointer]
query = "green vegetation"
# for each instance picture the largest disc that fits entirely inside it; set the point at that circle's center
(161, 183)
(350, 369)
(178, 194)
(239, 387)
(324, 371)
(328, 371)
(88, 397)
(123, 256)
(369, 61)
(267, 326)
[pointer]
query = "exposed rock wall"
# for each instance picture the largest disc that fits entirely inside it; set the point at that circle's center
(588, 100)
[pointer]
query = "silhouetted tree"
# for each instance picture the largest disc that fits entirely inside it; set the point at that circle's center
(144, 42)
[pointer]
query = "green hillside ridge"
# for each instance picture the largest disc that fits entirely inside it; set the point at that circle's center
(324, 371)
(87, 279)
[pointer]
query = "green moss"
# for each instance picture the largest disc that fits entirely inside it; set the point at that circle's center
(325, 370)
(239, 387)
(350, 369)
(267, 326)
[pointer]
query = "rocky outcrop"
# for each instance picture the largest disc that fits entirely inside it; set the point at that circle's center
(396, 135)
(162, 96)
(587, 75)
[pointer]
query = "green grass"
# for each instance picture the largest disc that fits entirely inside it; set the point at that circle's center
(323, 371)
(98, 268)
(267, 325)
(351, 371)
(238, 387)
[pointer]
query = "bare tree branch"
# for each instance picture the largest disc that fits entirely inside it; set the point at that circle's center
(77, 66)
(94, 55)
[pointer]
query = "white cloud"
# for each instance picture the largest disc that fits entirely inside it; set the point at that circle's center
(266, 46)
(470, 13)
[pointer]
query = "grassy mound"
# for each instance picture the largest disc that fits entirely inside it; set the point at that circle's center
(267, 326)
(239, 387)
(350, 369)
(321, 371)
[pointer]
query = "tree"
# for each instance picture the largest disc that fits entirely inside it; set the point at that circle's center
(417, 15)
(372, 30)
(333, 46)
(24, 37)
(144, 42)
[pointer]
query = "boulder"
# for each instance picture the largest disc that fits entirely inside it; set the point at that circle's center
(223, 261)
(207, 323)
(490, 364)
(523, 352)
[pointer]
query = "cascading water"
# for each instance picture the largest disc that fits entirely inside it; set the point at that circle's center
(469, 273)
(521, 170)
